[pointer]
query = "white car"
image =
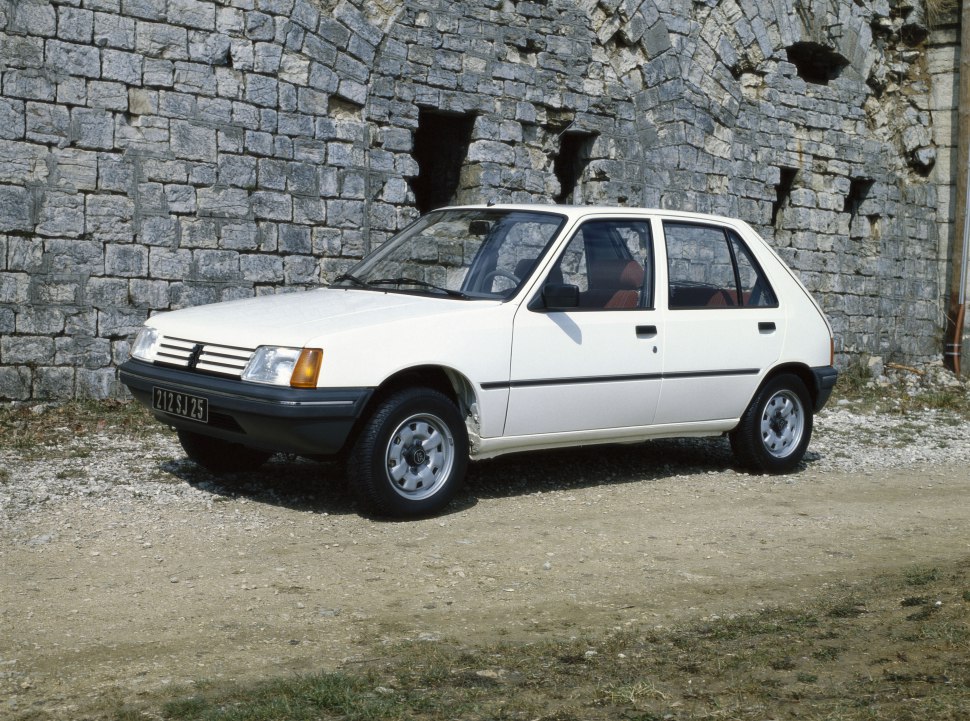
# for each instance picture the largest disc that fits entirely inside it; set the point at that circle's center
(485, 330)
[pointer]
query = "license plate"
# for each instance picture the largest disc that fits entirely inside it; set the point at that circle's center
(183, 405)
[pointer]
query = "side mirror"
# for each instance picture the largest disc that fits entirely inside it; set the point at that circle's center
(560, 296)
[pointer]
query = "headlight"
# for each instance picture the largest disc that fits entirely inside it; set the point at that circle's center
(146, 344)
(296, 367)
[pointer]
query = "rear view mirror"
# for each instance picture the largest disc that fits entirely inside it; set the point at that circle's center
(478, 227)
(560, 296)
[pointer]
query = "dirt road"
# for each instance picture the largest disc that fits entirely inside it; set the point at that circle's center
(153, 574)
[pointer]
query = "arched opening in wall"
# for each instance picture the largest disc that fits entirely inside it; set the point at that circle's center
(575, 150)
(440, 148)
(783, 188)
(816, 63)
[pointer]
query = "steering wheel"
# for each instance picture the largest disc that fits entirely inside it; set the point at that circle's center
(499, 273)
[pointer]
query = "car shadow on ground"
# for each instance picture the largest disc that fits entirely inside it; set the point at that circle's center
(321, 487)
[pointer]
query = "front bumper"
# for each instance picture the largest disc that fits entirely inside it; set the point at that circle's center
(291, 420)
(825, 379)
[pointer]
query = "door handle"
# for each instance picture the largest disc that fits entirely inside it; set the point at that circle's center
(646, 331)
(766, 327)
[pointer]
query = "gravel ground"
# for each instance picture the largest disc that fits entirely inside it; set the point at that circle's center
(124, 568)
(108, 469)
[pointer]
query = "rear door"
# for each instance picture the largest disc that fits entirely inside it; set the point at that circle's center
(597, 365)
(724, 325)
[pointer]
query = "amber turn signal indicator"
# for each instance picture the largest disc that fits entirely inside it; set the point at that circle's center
(307, 368)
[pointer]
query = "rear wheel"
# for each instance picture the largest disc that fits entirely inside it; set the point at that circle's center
(776, 428)
(219, 456)
(411, 456)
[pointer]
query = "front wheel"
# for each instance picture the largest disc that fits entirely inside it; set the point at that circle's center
(774, 431)
(411, 455)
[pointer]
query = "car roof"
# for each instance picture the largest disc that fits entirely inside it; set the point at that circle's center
(575, 212)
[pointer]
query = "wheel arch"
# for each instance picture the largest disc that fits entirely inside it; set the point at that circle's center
(800, 371)
(451, 383)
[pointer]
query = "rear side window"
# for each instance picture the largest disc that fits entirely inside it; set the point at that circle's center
(710, 267)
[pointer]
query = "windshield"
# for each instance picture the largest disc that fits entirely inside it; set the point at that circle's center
(466, 253)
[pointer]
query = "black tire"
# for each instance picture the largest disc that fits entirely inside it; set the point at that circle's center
(411, 455)
(219, 456)
(776, 428)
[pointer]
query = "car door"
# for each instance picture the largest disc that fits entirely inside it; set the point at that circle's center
(724, 325)
(593, 361)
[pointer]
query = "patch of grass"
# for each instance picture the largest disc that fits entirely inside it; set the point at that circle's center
(855, 384)
(40, 429)
(778, 663)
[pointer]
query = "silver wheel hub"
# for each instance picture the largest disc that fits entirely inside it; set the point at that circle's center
(782, 424)
(420, 456)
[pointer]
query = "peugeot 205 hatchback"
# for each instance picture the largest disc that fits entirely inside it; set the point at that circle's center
(479, 331)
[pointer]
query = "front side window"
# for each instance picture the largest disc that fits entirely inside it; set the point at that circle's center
(464, 253)
(611, 263)
(710, 267)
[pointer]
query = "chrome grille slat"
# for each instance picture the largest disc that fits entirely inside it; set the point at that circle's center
(211, 358)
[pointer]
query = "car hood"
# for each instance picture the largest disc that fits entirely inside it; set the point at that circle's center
(295, 319)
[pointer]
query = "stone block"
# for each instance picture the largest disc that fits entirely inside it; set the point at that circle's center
(74, 256)
(294, 239)
(300, 270)
(158, 40)
(60, 215)
(28, 84)
(239, 236)
(21, 350)
(257, 268)
(199, 232)
(170, 264)
(83, 60)
(223, 202)
(148, 293)
(260, 26)
(107, 95)
(12, 119)
(106, 292)
(272, 206)
(90, 353)
(237, 170)
(98, 384)
(120, 322)
(15, 382)
(159, 73)
(144, 9)
(192, 13)
(114, 31)
(74, 24)
(216, 265)
(34, 320)
(262, 90)
(122, 66)
(193, 142)
(32, 18)
(92, 128)
(14, 288)
(126, 261)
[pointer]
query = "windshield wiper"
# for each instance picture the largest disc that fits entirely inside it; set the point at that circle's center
(353, 279)
(420, 283)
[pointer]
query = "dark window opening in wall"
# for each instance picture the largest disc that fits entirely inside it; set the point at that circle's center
(440, 148)
(816, 63)
(858, 194)
(782, 191)
(575, 150)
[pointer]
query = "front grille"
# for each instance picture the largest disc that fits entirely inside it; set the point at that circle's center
(203, 357)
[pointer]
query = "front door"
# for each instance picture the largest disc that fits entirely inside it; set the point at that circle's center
(597, 363)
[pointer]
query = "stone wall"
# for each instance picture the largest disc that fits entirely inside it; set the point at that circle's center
(156, 154)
